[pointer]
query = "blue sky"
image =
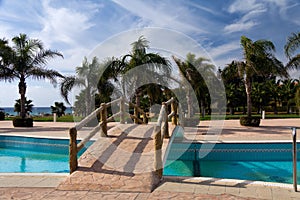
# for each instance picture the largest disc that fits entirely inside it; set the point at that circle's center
(76, 27)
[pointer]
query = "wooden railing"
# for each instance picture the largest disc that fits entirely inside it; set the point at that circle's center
(161, 130)
(74, 148)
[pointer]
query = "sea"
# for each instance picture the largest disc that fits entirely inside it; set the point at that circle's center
(36, 111)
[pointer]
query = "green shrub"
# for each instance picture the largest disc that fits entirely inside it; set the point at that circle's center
(250, 121)
(2, 115)
(19, 122)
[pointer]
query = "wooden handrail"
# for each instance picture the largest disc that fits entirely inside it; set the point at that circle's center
(113, 102)
(88, 118)
(161, 131)
(170, 101)
(74, 148)
(87, 138)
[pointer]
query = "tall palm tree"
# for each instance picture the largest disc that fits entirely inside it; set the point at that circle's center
(259, 59)
(154, 66)
(291, 46)
(193, 69)
(26, 58)
(86, 77)
(297, 99)
(288, 89)
(234, 87)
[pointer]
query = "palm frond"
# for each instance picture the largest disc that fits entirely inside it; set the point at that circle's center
(41, 58)
(6, 74)
(294, 63)
(42, 73)
(67, 85)
(293, 43)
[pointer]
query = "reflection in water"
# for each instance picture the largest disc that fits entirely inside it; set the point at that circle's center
(23, 164)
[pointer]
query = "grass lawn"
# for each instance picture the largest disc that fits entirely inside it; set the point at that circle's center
(267, 116)
(70, 118)
(66, 118)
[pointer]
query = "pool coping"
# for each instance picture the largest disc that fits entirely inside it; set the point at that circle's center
(237, 141)
(224, 180)
(31, 180)
(43, 137)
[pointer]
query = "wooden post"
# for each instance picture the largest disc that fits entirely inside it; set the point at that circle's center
(165, 122)
(73, 150)
(136, 114)
(145, 119)
(122, 111)
(294, 135)
(174, 109)
(103, 117)
(157, 153)
(180, 115)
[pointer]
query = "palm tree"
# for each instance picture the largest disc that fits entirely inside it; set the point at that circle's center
(259, 60)
(28, 105)
(291, 46)
(87, 76)
(155, 67)
(59, 108)
(193, 69)
(234, 87)
(26, 58)
(288, 90)
(273, 86)
(297, 99)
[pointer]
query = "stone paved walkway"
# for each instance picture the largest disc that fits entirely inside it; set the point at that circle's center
(52, 194)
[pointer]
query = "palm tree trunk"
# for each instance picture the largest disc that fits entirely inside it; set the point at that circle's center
(275, 107)
(202, 108)
(248, 86)
(189, 104)
(231, 110)
(88, 109)
(22, 92)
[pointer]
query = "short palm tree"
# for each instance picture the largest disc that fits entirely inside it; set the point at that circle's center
(259, 59)
(290, 48)
(59, 108)
(28, 105)
(26, 58)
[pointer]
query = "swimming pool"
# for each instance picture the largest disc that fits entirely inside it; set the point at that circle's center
(270, 162)
(39, 155)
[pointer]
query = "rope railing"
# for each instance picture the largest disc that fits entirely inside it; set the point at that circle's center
(74, 148)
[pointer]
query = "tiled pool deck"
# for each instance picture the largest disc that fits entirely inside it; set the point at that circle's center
(41, 186)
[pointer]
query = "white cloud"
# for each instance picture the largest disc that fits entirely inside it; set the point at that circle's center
(244, 6)
(224, 49)
(250, 10)
(239, 26)
(165, 17)
(63, 24)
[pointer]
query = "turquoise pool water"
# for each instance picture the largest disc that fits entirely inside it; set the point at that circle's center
(39, 155)
(271, 162)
